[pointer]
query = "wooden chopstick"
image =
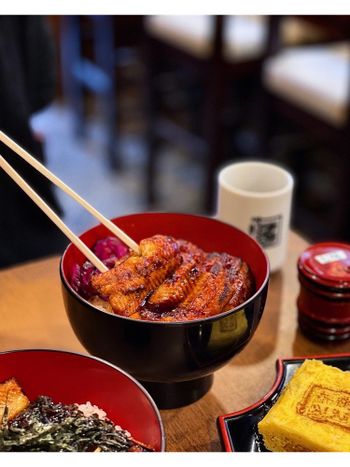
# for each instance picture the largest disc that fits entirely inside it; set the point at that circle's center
(52, 215)
(58, 182)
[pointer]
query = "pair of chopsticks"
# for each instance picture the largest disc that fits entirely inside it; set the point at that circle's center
(50, 213)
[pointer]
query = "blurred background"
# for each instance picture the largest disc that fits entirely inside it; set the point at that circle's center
(146, 109)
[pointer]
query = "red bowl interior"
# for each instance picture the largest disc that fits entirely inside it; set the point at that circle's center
(69, 377)
(209, 234)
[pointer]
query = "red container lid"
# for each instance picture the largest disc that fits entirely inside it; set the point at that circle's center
(327, 264)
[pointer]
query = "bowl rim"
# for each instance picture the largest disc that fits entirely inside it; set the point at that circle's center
(193, 322)
(114, 367)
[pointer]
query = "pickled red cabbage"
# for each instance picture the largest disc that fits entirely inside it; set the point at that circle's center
(108, 250)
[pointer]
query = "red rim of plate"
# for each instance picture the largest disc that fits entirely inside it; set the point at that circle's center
(92, 357)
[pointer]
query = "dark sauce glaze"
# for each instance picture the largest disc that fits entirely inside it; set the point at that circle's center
(173, 280)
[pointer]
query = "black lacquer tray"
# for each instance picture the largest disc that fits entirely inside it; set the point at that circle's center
(238, 430)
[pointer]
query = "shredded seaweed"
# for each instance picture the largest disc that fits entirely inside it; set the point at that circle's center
(47, 426)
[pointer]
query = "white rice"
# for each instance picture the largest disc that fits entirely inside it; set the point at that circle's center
(89, 409)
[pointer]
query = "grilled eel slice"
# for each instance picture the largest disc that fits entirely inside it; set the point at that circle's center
(243, 287)
(175, 288)
(208, 292)
(213, 289)
(128, 283)
(12, 397)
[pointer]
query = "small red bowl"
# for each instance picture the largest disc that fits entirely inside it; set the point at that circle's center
(75, 378)
(317, 329)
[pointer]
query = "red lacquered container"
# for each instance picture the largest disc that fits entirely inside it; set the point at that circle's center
(324, 298)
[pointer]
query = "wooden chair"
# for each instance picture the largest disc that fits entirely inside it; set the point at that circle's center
(87, 57)
(91, 49)
(310, 88)
(220, 50)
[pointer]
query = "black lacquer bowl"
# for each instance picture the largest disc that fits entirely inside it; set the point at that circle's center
(239, 430)
(174, 361)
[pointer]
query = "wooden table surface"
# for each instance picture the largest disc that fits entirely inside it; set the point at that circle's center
(32, 315)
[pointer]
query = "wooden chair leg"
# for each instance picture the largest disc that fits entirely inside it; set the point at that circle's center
(104, 52)
(152, 142)
(214, 134)
(342, 208)
(70, 57)
(263, 122)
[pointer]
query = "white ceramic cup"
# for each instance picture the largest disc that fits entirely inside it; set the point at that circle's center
(256, 197)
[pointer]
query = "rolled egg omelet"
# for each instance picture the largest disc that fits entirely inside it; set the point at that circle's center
(312, 413)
